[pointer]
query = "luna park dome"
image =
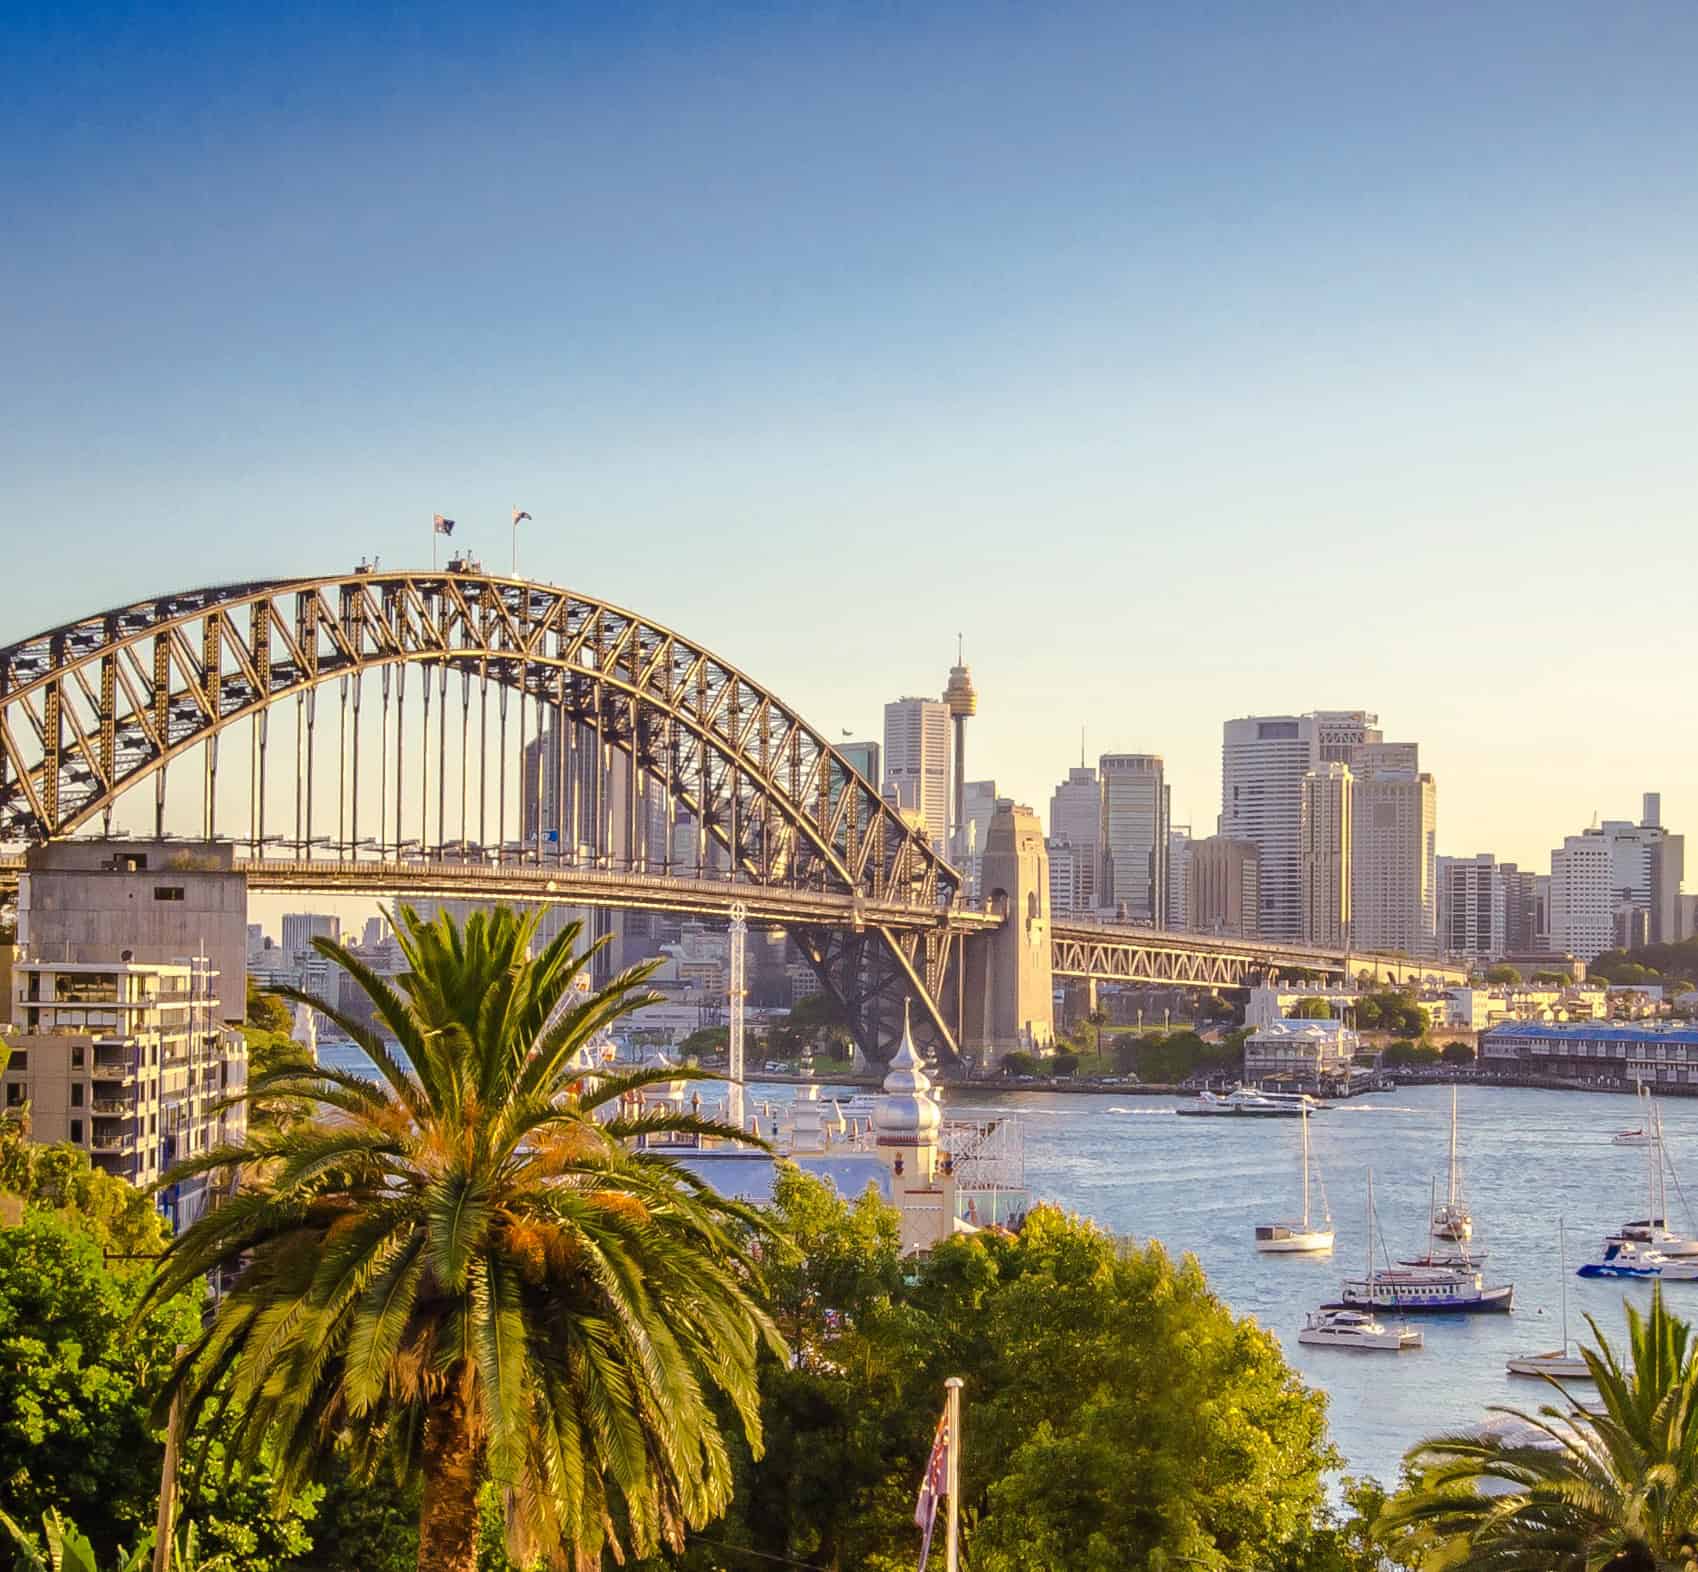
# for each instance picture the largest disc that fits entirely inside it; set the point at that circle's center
(907, 1112)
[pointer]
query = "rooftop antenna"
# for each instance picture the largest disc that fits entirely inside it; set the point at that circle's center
(1081, 747)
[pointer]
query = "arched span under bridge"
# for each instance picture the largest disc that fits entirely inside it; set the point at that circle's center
(607, 709)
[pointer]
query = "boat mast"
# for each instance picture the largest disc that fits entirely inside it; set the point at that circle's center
(1452, 1194)
(1370, 1271)
(1562, 1267)
(1432, 1210)
(1305, 1169)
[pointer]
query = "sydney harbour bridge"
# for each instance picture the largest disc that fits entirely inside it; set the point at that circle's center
(457, 735)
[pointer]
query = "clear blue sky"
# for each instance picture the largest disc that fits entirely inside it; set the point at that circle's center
(1192, 360)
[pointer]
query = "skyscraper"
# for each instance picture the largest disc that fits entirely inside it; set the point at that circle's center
(864, 756)
(1075, 822)
(1339, 733)
(301, 928)
(1617, 883)
(963, 701)
(1133, 836)
(1178, 864)
(1478, 896)
(916, 762)
(1325, 855)
(978, 807)
(1222, 878)
(1393, 885)
(1263, 761)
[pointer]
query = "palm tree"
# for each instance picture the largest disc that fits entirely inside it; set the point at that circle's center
(1572, 1489)
(468, 1270)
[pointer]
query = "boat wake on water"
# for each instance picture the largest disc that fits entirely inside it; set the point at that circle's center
(1143, 1113)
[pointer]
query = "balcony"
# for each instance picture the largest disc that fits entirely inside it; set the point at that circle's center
(108, 1071)
(113, 1107)
(112, 1143)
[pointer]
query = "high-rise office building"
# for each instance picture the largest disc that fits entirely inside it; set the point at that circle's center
(1339, 733)
(864, 757)
(1617, 884)
(978, 808)
(1371, 758)
(916, 763)
(1133, 836)
(1178, 886)
(301, 928)
(1476, 898)
(1222, 878)
(1263, 761)
(1072, 877)
(1075, 821)
(1393, 883)
(1324, 856)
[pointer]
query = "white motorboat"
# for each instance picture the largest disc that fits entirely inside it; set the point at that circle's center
(1356, 1329)
(1452, 1220)
(1559, 1364)
(1305, 1235)
(1246, 1101)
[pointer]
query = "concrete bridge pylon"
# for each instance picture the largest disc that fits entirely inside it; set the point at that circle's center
(1009, 988)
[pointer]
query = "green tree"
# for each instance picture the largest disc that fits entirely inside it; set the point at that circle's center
(1405, 1052)
(459, 1272)
(63, 1547)
(1097, 1020)
(819, 1021)
(1503, 976)
(1614, 1484)
(62, 1178)
(1065, 1064)
(268, 1012)
(1020, 1062)
(706, 1041)
(1312, 1010)
(1457, 1053)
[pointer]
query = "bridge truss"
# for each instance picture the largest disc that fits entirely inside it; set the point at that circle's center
(589, 739)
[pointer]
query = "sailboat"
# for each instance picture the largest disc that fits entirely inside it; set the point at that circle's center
(1423, 1288)
(1651, 1232)
(1560, 1363)
(1453, 1220)
(1304, 1235)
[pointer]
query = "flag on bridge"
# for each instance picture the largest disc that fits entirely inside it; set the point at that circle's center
(517, 515)
(934, 1486)
(441, 525)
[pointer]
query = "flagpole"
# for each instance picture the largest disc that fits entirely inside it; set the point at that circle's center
(952, 1543)
(434, 532)
(515, 543)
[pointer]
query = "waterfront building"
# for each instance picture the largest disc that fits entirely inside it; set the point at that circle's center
(1263, 761)
(1325, 855)
(1393, 894)
(916, 763)
(1075, 820)
(1223, 887)
(1606, 1054)
(1133, 836)
(129, 1062)
(1616, 884)
(1303, 1055)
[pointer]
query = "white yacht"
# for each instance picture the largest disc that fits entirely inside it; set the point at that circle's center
(1355, 1329)
(1560, 1364)
(1306, 1234)
(1651, 1231)
(1452, 1219)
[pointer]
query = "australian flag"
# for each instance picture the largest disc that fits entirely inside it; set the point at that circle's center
(933, 1487)
(441, 525)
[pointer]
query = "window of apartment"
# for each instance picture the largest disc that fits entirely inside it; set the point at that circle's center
(76, 1094)
(168, 892)
(77, 1052)
(14, 1093)
(20, 1059)
(153, 1124)
(76, 1132)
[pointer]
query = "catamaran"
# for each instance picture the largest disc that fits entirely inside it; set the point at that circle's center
(1453, 1220)
(1246, 1101)
(1305, 1235)
(1356, 1329)
(1562, 1363)
(1419, 1288)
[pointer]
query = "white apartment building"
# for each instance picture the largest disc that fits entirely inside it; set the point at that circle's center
(1325, 855)
(1075, 821)
(917, 762)
(126, 1060)
(1133, 836)
(1394, 863)
(1616, 884)
(1475, 897)
(1263, 761)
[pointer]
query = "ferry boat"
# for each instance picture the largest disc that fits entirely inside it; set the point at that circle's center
(1427, 1289)
(1355, 1329)
(1247, 1102)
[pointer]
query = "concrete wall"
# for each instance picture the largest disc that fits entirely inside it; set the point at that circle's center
(162, 901)
(1010, 983)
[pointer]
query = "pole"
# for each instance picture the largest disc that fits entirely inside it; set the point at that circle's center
(952, 1544)
(168, 1479)
(736, 989)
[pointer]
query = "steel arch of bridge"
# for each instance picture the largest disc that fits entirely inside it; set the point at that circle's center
(91, 710)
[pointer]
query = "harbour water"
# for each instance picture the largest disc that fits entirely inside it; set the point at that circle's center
(1201, 1186)
(1528, 1157)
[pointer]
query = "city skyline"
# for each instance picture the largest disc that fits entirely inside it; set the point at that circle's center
(1190, 372)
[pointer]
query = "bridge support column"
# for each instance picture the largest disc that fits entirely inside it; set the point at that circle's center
(1009, 983)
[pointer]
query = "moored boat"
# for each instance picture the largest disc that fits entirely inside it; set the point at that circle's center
(1304, 1235)
(1355, 1329)
(1419, 1289)
(1559, 1364)
(1452, 1219)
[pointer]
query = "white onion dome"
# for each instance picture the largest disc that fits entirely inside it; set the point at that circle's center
(907, 1108)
